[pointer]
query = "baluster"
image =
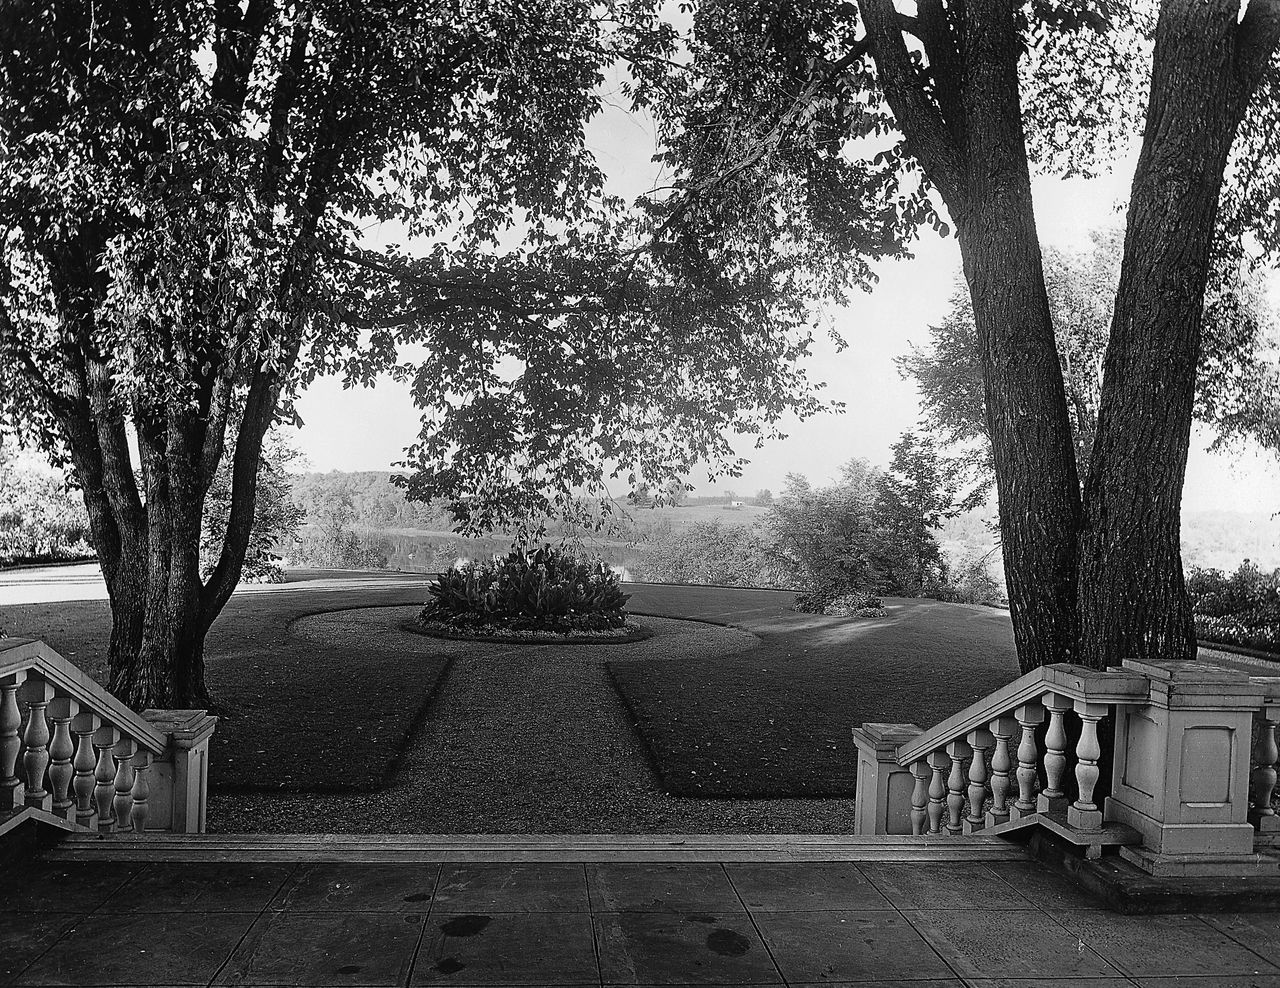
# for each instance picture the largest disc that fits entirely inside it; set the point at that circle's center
(958, 751)
(1052, 797)
(1029, 717)
(919, 796)
(123, 754)
(12, 791)
(1084, 814)
(83, 727)
(938, 762)
(35, 759)
(1003, 730)
(1265, 753)
(981, 742)
(104, 777)
(140, 791)
(61, 748)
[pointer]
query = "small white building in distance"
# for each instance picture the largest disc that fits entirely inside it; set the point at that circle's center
(736, 504)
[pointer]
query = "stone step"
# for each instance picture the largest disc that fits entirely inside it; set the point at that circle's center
(530, 847)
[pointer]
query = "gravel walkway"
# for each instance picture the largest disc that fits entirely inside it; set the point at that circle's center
(525, 739)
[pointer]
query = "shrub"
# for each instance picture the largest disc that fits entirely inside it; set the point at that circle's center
(345, 550)
(971, 583)
(707, 553)
(841, 602)
(543, 590)
(858, 604)
(1240, 609)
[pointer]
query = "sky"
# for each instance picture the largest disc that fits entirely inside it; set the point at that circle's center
(367, 429)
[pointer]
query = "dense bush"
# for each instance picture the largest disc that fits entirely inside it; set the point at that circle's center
(41, 519)
(1240, 609)
(710, 552)
(543, 590)
(970, 582)
(341, 550)
(836, 602)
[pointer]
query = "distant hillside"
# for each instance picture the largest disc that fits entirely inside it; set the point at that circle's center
(1210, 539)
(1219, 539)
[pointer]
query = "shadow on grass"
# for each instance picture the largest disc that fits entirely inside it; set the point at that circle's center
(776, 721)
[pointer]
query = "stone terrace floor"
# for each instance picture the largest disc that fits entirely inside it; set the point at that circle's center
(927, 925)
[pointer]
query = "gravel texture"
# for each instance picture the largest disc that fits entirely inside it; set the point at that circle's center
(525, 739)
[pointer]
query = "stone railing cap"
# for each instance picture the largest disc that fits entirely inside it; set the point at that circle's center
(887, 737)
(186, 728)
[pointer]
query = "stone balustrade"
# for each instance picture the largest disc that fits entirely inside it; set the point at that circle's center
(1192, 778)
(74, 756)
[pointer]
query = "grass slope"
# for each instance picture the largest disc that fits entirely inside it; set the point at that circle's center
(297, 715)
(775, 721)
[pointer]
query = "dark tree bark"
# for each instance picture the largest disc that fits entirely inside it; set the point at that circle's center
(976, 156)
(1133, 602)
(1097, 579)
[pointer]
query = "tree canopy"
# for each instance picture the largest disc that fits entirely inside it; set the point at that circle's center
(806, 129)
(205, 205)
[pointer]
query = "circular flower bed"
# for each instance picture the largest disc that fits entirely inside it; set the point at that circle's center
(543, 594)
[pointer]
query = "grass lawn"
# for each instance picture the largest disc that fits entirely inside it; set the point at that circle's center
(776, 721)
(300, 716)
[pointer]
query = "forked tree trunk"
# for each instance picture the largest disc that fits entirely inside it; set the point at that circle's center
(1100, 580)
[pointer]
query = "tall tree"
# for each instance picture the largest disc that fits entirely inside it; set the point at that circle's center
(912, 498)
(183, 211)
(840, 105)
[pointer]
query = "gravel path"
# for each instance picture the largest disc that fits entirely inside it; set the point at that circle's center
(525, 739)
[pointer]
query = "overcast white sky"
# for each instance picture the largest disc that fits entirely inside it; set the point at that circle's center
(368, 429)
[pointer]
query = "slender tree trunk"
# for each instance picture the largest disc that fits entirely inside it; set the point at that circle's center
(1133, 602)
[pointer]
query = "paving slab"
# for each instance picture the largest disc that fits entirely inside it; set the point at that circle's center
(805, 886)
(165, 948)
(326, 948)
(482, 888)
(521, 948)
(63, 887)
(848, 946)
(1162, 946)
(944, 886)
(25, 936)
(1260, 932)
(1023, 943)
(664, 948)
(201, 887)
(326, 887)
(678, 888)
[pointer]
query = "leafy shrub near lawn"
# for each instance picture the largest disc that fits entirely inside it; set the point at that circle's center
(543, 590)
(840, 602)
(1240, 609)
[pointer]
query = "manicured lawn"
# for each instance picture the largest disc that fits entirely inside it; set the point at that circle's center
(776, 720)
(298, 715)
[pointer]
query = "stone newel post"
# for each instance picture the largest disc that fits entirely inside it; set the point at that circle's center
(1181, 771)
(884, 787)
(179, 780)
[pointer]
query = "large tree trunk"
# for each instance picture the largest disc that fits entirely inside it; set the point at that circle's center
(1027, 420)
(1133, 602)
(1098, 581)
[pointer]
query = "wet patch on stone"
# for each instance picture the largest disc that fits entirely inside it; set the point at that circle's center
(449, 965)
(417, 897)
(464, 926)
(728, 943)
(700, 918)
(349, 969)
